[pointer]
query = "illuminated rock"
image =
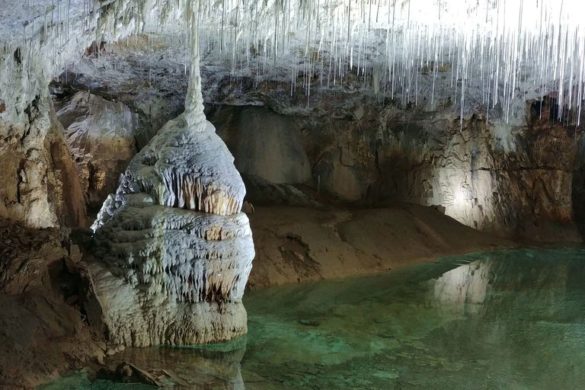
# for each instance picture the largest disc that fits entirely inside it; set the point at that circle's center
(101, 137)
(175, 250)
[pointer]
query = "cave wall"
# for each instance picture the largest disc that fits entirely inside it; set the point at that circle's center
(517, 185)
(30, 149)
(101, 135)
(51, 40)
(268, 145)
(39, 182)
(515, 180)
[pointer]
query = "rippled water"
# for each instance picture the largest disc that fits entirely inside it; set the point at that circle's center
(509, 320)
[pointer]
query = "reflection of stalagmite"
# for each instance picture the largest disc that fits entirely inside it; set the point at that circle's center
(177, 250)
(463, 288)
(192, 368)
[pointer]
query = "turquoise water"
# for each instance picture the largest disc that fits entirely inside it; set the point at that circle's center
(504, 320)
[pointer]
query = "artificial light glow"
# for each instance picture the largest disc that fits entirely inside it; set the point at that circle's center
(460, 197)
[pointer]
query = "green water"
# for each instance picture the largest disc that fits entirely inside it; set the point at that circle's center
(504, 320)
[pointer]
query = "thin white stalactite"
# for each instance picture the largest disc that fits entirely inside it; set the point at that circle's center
(499, 50)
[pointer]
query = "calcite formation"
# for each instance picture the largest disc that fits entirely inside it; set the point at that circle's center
(101, 137)
(187, 168)
(175, 249)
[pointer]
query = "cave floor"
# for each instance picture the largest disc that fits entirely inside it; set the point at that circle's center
(302, 244)
(503, 319)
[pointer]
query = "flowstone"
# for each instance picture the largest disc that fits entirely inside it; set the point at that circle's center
(175, 251)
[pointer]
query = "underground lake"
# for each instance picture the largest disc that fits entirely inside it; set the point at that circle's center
(509, 319)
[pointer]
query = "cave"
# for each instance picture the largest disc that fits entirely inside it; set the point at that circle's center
(291, 194)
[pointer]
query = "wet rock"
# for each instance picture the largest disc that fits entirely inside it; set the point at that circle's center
(306, 322)
(128, 372)
(184, 269)
(200, 367)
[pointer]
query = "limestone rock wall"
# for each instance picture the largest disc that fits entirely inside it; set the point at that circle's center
(42, 331)
(516, 180)
(37, 41)
(101, 136)
(65, 189)
(39, 180)
(27, 64)
(264, 143)
(520, 185)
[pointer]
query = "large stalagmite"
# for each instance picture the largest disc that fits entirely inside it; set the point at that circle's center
(175, 251)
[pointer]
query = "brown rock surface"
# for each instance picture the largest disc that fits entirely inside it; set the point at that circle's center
(295, 244)
(100, 135)
(42, 329)
(65, 189)
(39, 183)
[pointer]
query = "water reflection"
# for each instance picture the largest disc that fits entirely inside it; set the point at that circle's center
(463, 289)
(204, 368)
(510, 320)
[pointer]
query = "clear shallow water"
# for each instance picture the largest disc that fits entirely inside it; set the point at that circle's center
(504, 320)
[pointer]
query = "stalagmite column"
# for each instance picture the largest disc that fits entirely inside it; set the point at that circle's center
(194, 101)
(175, 250)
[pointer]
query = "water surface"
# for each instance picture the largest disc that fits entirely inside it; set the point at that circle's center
(502, 320)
